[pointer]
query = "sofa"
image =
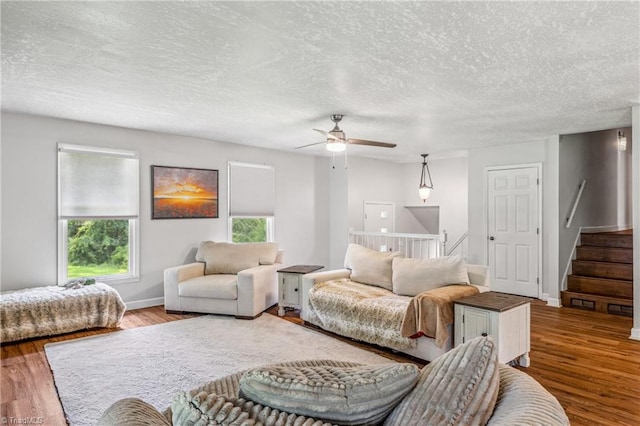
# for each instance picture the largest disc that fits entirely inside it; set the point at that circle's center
(400, 303)
(226, 278)
(466, 386)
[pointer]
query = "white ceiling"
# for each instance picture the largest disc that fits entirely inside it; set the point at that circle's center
(429, 76)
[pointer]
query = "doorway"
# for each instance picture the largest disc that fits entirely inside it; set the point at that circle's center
(379, 216)
(513, 229)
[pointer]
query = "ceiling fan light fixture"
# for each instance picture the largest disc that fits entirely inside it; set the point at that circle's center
(424, 190)
(335, 146)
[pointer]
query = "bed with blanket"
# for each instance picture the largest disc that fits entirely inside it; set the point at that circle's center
(384, 299)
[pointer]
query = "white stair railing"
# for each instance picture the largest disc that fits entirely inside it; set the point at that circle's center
(420, 246)
(460, 243)
(575, 204)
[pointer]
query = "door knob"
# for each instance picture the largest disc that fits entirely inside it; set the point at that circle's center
(491, 238)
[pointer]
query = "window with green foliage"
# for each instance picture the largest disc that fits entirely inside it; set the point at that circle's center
(249, 230)
(97, 248)
(98, 214)
(251, 202)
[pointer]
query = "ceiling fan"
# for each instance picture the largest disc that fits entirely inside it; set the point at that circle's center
(337, 141)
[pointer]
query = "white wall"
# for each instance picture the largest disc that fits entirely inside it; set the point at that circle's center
(635, 124)
(338, 212)
(450, 193)
(523, 153)
(29, 199)
(373, 180)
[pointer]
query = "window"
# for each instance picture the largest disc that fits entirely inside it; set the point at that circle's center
(98, 213)
(251, 202)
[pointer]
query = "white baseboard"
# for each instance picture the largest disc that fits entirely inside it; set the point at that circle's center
(635, 334)
(544, 297)
(145, 303)
(552, 301)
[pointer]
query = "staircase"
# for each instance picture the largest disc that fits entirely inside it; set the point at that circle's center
(602, 274)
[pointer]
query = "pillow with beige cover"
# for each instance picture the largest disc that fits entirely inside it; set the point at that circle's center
(370, 266)
(459, 387)
(231, 258)
(345, 395)
(414, 276)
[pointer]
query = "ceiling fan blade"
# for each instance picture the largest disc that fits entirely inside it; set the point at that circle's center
(327, 134)
(311, 144)
(371, 143)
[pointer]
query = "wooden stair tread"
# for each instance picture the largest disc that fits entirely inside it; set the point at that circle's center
(591, 268)
(600, 286)
(607, 240)
(604, 254)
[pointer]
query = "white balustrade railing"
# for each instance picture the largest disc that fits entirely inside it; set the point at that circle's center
(420, 246)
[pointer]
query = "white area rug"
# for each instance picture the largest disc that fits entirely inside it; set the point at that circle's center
(154, 363)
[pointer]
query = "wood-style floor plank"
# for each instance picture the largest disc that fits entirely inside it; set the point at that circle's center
(585, 359)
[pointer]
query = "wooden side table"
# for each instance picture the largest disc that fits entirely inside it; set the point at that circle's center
(507, 318)
(290, 285)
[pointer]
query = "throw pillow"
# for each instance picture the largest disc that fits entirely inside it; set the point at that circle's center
(459, 387)
(369, 266)
(231, 258)
(345, 395)
(202, 408)
(414, 276)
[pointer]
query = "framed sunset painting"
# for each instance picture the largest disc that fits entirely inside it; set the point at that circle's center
(184, 193)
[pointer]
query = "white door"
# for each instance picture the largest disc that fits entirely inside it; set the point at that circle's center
(378, 217)
(513, 230)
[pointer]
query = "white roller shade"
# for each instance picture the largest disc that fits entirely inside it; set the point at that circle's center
(97, 183)
(251, 190)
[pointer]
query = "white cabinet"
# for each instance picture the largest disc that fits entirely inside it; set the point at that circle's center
(504, 317)
(290, 286)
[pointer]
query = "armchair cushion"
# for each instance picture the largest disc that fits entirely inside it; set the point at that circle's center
(231, 258)
(369, 266)
(218, 286)
(414, 276)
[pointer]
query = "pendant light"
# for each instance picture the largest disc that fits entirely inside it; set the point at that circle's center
(622, 141)
(425, 190)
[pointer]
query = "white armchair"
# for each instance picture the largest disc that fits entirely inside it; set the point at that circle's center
(229, 279)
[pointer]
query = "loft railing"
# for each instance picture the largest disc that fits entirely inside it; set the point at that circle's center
(575, 204)
(420, 246)
(460, 245)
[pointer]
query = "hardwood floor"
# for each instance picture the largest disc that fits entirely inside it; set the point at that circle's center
(584, 358)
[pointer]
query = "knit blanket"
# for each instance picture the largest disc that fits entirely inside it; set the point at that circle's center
(431, 312)
(50, 310)
(360, 311)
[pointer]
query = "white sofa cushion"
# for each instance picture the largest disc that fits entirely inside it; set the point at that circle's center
(231, 258)
(414, 276)
(218, 286)
(369, 266)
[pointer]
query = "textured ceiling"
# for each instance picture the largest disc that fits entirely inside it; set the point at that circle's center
(429, 76)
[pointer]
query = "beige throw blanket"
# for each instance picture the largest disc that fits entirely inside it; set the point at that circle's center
(429, 313)
(50, 310)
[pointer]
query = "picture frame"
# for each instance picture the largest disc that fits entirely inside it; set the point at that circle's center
(184, 193)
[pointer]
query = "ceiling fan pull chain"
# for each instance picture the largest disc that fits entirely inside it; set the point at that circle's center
(346, 157)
